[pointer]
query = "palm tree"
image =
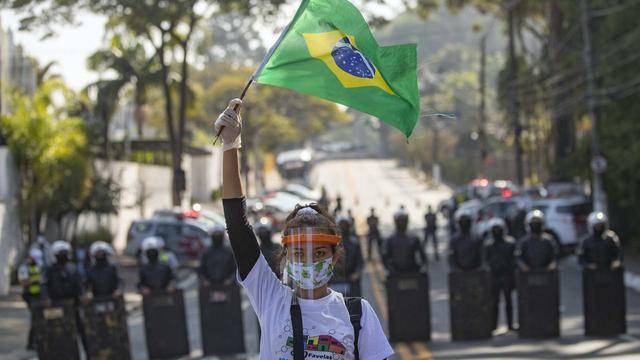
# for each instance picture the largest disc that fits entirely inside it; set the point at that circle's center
(129, 61)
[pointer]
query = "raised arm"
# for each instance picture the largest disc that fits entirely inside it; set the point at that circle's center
(243, 241)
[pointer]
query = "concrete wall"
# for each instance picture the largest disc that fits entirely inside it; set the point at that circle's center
(10, 241)
(205, 174)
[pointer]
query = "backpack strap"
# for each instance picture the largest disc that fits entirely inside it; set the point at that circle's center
(296, 324)
(354, 306)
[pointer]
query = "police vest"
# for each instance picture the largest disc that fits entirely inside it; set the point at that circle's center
(34, 280)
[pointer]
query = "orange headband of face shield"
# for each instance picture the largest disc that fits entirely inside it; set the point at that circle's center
(313, 237)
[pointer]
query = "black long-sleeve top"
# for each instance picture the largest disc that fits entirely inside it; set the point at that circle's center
(243, 240)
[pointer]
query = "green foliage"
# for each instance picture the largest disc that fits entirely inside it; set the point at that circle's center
(85, 239)
(216, 194)
(50, 152)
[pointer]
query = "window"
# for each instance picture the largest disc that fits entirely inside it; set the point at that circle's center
(576, 209)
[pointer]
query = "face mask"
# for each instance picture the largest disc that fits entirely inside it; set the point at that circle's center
(152, 255)
(101, 260)
(310, 276)
(598, 230)
(62, 258)
(536, 228)
(465, 226)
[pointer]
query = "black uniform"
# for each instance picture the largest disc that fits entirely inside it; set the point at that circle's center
(62, 282)
(537, 253)
(400, 254)
(102, 279)
(600, 250)
(374, 234)
(155, 276)
(217, 265)
(353, 262)
(465, 252)
(430, 231)
(500, 257)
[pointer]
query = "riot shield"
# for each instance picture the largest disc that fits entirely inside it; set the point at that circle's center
(56, 332)
(604, 299)
(105, 324)
(165, 325)
(470, 309)
(539, 304)
(221, 319)
(409, 307)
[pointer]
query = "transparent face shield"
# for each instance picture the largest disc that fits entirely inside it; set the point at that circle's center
(310, 262)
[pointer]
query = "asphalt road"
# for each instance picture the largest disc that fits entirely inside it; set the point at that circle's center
(367, 183)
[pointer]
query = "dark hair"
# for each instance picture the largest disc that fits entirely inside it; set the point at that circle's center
(321, 219)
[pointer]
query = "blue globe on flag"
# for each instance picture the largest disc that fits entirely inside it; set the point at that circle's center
(351, 60)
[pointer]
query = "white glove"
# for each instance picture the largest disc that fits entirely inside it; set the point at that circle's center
(231, 122)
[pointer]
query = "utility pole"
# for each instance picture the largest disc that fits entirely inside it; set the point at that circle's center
(483, 114)
(598, 162)
(514, 107)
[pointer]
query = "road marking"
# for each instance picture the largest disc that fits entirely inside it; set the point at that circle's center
(404, 351)
(422, 350)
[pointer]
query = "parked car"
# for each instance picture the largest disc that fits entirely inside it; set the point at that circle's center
(499, 207)
(301, 191)
(294, 164)
(566, 218)
(185, 237)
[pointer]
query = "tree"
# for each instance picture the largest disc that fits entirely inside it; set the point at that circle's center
(51, 155)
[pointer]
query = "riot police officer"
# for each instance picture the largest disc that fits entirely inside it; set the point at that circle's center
(63, 282)
(499, 254)
(155, 275)
(269, 249)
(465, 250)
(431, 222)
(601, 248)
(373, 236)
(537, 250)
(217, 265)
(353, 261)
(402, 248)
(30, 276)
(102, 276)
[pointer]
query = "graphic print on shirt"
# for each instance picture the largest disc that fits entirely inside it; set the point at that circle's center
(333, 345)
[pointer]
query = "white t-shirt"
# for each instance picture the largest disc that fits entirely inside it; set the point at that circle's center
(326, 326)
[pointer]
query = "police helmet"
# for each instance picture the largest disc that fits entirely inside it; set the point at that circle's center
(497, 222)
(596, 218)
(100, 246)
(35, 254)
(152, 243)
(401, 214)
(342, 218)
(462, 213)
(534, 216)
(59, 246)
(264, 224)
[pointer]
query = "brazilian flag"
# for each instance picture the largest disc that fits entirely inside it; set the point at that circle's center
(328, 51)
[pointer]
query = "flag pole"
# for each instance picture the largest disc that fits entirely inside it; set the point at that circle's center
(256, 74)
(236, 107)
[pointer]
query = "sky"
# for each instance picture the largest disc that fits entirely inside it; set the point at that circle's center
(70, 48)
(72, 45)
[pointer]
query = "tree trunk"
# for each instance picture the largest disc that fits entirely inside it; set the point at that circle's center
(561, 120)
(173, 141)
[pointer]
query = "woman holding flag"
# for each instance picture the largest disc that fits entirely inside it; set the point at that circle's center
(300, 317)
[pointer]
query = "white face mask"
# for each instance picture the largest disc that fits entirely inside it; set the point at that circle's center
(309, 276)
